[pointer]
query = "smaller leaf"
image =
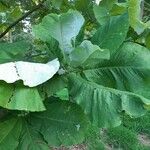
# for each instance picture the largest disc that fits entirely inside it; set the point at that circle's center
(54, 85)
(19, 97)
(25, 98)
(63, 94)
(86, 51)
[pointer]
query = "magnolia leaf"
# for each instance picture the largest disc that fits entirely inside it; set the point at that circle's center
(32, 74)
(31, 139)
(104, 105)
(128, 69)
(113, 33)
(63, 123)
(19, 97)
(86, 51)
(9, 134)
(63, 28)
(13, 51)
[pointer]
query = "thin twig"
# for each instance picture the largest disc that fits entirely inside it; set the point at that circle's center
(21, 18)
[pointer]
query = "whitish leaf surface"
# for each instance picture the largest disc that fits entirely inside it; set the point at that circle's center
(63, 123)
(113, 33)
(32, 74)
(87, 52)
(63, 28)
(104, 105)
(19, 97)
(9, 134)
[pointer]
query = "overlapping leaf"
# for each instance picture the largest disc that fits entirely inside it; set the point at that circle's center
(86, 53)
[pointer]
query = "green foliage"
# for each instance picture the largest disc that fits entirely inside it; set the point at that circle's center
(123, 138)
(103, 73)
(13, 51)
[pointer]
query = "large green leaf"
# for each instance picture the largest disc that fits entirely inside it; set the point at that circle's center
(63, 123)
(13, 51)
(63, 28)
(128, 70)
(87, 52)
(9, 134)
(113, 33)
(19, 97)
(31, 139)
(104, 105)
